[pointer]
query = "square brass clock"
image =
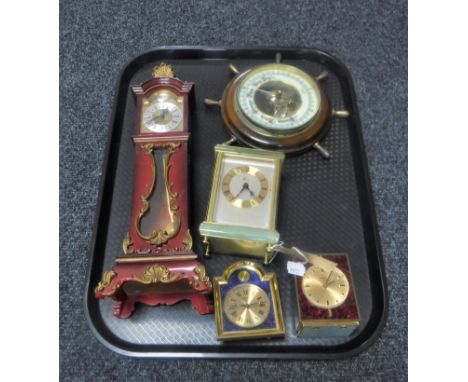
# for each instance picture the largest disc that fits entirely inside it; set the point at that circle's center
(247, 303)
(326, 300)
(241, 216)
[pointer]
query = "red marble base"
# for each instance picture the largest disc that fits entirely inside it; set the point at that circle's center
(156, 283)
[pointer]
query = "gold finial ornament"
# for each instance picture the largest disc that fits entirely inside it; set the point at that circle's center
(163, 70)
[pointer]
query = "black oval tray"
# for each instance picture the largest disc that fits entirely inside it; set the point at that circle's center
(325, 206)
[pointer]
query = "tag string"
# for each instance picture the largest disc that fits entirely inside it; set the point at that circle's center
(293, 252)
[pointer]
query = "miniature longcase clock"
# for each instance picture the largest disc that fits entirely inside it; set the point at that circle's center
(327, 305)
(247, 303)
(158, 265)
(241, 216)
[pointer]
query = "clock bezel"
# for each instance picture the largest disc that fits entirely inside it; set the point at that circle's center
(171, 99)
(308, 276)
(254, 200)
(250, 286)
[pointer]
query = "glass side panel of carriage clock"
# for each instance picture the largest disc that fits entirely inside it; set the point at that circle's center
(244, 193)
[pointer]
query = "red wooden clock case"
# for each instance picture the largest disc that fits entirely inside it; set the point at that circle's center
(158, 267)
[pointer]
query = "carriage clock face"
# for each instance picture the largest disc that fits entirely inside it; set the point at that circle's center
(325, 289)
(245, 186)
(246, 192)
(278, 97)
(247, 306)
(162, 113)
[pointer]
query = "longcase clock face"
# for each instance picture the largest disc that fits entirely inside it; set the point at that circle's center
(162, 112)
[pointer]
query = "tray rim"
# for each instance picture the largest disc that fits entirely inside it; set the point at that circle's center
(359, 155)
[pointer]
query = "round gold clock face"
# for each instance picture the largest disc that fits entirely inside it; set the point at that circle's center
(245, 186)
(162, 115)
(246, 305)
(279, 98)
(325, 290)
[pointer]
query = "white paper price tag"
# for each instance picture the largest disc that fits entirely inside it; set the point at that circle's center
(296, 269)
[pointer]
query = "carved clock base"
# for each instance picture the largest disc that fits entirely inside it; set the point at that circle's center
(156, 283)
(125, 308)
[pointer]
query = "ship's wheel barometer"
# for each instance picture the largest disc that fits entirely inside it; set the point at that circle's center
(157, 265)
(277, 107)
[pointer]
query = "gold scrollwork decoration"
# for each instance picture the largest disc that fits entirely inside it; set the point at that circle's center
(157, 274)
(160, 236)
(106, 280)
(187, 241)
(127, 244)
(201, 272)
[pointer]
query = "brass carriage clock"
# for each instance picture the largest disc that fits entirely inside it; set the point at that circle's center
(241, 216)
(247, 303)
(277, 107)
(326, 301)
(158, 265)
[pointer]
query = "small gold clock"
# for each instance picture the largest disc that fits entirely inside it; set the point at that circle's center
(247, 303)
(327, 305)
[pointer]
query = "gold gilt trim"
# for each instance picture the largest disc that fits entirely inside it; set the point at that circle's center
(160, 236)
(145, 259)
(201, 272)
(127, 244)
(106, 280)
(187, 241)
(163, 70)
(157, 274)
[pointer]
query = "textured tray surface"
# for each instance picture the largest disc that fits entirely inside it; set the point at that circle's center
(319, 211)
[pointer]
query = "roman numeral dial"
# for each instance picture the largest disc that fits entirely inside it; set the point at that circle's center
(246, 306)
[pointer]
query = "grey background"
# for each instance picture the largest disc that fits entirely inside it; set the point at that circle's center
(98, 38)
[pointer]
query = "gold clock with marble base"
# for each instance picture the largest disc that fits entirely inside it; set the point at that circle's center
(241, 216)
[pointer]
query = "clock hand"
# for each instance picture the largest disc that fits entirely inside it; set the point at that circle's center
(328, 279)
(280, 101)
(160, 117)
(245, 186)
(248, 189)
(270, 92)
(254, 303)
